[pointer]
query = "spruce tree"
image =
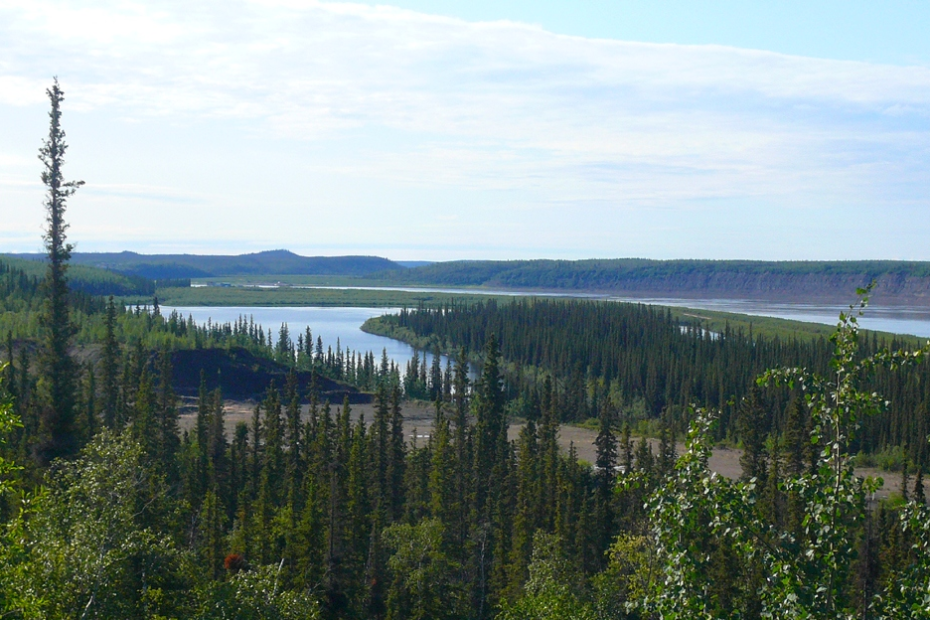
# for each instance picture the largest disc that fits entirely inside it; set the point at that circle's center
(109, 368)
(462, 479)
(380, 452)
(56, 426)
(396, 457)
(166, 414)
(526, 514)
(201, 432)
(435, 377)
(920, 495)
(489, 412)
(606, 463)
(797, 437)
(441, 488)
(751, 425)
(216, 443)
(90, 401)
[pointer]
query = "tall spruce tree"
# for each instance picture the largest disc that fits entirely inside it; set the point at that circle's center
(59, 373)
(110, 368)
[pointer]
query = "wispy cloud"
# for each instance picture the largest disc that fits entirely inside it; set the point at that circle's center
(497, 105)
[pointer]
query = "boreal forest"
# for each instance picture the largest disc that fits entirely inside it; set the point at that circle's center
(108, 509)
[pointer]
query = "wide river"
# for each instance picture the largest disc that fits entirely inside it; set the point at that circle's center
(343, 324)
(914, 320)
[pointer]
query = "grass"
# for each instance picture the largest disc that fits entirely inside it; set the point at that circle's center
(290, 280)
(243, 296)
(771, 327)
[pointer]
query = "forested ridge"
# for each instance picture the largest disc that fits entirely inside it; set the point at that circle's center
(88, 280)
(899, 281)
(186, 266)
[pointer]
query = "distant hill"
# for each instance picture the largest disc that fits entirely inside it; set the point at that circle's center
(273, 262)
(84, 278)
(898, 281)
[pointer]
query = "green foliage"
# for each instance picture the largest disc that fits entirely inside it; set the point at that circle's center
(272, 262)
(8, 422)
(628, 578)
(701, 521)
(644, 274)
(548, 593)
(646, 363)
(85, 279)
(91, 544)
(891, 458)
(56, 428)
(425, 584)
(908, 594)
(253, 595)
(287, 296)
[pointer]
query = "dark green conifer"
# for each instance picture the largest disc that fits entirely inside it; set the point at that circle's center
(90, 401)
(109, 368)
(57, 436)
(441, 487)
(166, 418)
(216, 442)
(753, 432)
(526, 513)
(920, 494)
(797, 438)
(201, 432)
(396, 458)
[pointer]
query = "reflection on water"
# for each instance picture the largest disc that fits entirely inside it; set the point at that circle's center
(913, 320)
(332, 324)
(343, 324)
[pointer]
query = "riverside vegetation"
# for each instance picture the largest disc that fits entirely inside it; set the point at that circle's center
(109, 512)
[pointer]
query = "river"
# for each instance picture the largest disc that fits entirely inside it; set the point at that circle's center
(913, 320)
(903, 319)
(343, 324)
(332, 324)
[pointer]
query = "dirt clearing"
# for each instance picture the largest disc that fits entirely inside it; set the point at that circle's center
(418, 424)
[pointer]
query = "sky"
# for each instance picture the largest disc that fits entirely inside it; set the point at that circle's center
(439, 130)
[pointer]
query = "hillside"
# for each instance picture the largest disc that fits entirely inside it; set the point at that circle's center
(241, 375)
(898, 281)
(85, 278)
(273, 262)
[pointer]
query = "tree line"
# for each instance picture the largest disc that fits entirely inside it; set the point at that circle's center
(647, 364)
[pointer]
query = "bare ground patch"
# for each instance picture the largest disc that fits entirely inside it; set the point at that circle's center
(418, 424)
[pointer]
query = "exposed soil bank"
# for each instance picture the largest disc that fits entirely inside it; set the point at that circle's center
(891, 289)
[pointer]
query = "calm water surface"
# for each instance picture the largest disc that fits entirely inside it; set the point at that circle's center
(914, 320)
(330, 323)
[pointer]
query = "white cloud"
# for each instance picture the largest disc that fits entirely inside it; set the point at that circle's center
(437, 102)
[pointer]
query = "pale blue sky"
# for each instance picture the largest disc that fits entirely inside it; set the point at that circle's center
(440, 130)
(891, 31)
